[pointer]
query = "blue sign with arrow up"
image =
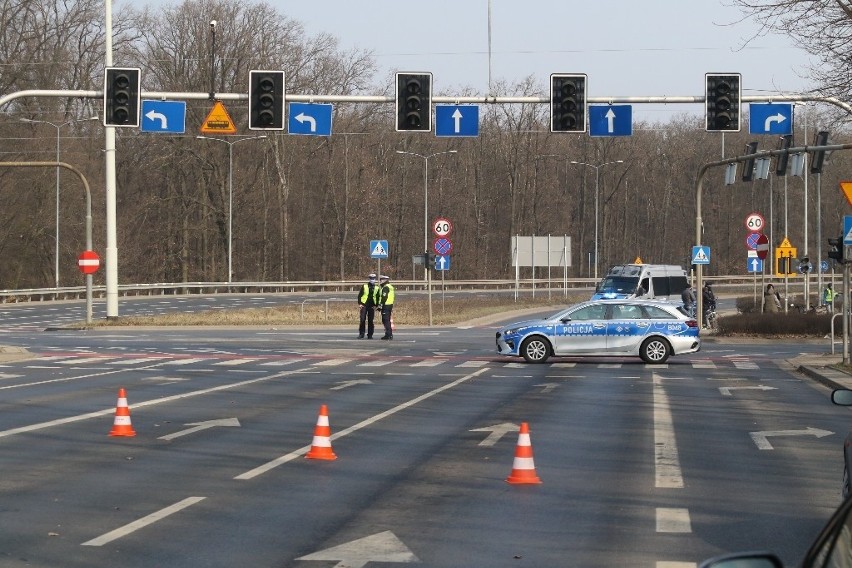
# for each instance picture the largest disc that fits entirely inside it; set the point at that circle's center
(456, 120)
(610, 120)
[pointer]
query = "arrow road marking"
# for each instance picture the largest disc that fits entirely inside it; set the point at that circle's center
(345, 384)
(726, 391)
(302, 117)
(154, 115)
(779, 118)
(497, 432)
(198, 426)
(547, 387)
(380, 547)
(457, 116)
(610, 121)
(762, 441)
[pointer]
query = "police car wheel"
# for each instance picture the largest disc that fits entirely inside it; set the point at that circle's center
(655, 350)
(535, 350)
(846, 490)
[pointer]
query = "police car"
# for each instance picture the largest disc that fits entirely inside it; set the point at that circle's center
(652, 330)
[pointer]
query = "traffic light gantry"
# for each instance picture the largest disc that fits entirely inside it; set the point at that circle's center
(266, 100)
(414, 102)
(568, 102)
(722, 95)
(122, 96)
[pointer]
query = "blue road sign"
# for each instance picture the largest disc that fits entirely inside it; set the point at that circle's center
(442, 262)
(754, 264)
(610, 120)
(456, 120)
(443, 245)
(700, 255)
(163, 116)
(378, 249)
(770, 118)
(847, 229)
(823, 266)
(312, 119)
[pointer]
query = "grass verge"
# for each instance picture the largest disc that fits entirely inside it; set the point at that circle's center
(414, 312)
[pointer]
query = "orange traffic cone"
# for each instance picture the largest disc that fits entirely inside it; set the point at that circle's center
(121, 426)
(523, 469)
(321, 446)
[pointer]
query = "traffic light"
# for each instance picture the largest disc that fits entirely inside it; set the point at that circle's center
(413, 102)
(748, 165)
(818, 156)
(266, 100)
(835, 248)
(567, 102)
(781, 162)
(121, 96)
(805, 266)
(722, 99)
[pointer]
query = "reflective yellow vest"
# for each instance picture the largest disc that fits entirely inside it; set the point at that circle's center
(387, 295)
(366, 298)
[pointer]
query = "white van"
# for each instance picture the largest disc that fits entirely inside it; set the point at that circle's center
(658, 281)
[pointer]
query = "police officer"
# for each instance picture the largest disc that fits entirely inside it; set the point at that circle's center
(386, 304)
(368, 298)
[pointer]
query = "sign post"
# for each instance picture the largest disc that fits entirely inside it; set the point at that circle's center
(88, 263)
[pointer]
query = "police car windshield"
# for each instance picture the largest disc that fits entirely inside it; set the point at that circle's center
(619, 284)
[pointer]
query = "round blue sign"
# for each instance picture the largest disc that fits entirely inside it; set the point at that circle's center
(443, 245)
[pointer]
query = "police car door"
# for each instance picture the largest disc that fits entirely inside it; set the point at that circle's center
(625, 328)
(584, 332)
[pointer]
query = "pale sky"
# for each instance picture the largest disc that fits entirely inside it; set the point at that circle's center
(627, 48)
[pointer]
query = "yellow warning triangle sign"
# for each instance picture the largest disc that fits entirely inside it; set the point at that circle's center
(218, 121)
(846, 187)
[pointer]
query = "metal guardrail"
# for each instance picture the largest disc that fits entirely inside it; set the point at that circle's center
(723, 284)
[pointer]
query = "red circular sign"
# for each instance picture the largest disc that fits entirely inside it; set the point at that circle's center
(755, 222)
(89, 261)
(442, 227)
(762, 246)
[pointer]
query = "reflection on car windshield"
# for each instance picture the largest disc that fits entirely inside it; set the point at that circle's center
(619, 284)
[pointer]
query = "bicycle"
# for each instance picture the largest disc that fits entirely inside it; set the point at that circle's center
(710, 318)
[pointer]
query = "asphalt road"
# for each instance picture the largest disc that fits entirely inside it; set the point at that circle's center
(640, 465)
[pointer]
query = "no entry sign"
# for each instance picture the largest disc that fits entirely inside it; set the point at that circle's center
(89, 261)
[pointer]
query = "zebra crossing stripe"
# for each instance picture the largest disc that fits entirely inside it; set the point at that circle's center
(429, 363)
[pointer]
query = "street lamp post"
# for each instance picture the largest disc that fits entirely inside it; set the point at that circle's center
(57, 127)
(426, 219)
(597, 199)
(230, 193)
(426, 193)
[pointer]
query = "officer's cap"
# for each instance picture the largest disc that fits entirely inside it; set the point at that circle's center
(384, 278)
(372, 276)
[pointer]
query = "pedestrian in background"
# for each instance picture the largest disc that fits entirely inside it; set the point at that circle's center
(828, 296)
(688, 298)
(386, 299)
(368, 299)
(709, 300)
(771, 300)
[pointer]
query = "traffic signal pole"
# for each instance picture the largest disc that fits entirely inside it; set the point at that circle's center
(845, 305)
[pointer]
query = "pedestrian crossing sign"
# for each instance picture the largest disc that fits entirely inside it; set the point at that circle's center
(378, 249)
(700, 255)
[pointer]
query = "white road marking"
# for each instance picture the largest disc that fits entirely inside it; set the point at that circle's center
(143, 522)
(671, 520)
(666, 460)
(79, 417)
(363, 424)
(429, 362)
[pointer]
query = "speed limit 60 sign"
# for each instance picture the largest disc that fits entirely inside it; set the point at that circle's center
(754, 222)
(442, 227)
